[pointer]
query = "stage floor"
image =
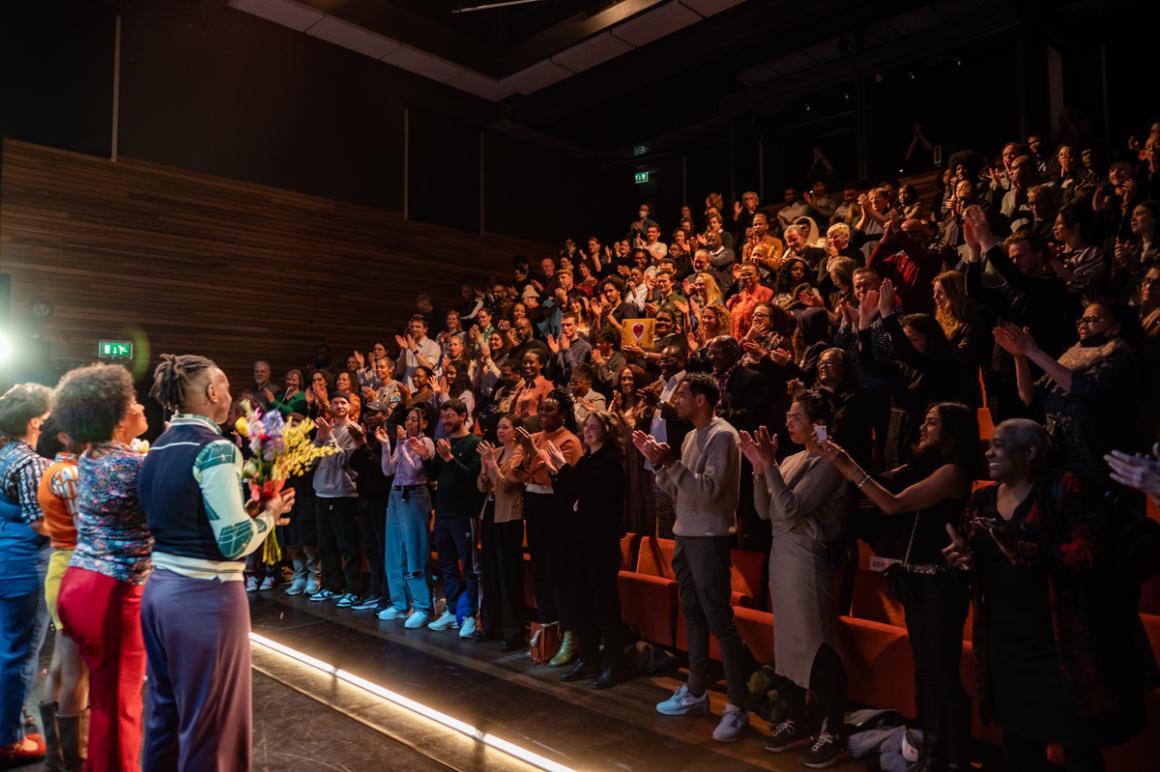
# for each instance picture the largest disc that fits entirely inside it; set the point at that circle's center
(503, 694)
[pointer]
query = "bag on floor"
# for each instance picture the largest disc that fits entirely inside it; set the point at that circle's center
(644, 658)
(545, 642)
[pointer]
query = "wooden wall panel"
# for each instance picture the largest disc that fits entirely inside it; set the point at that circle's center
(186, 262)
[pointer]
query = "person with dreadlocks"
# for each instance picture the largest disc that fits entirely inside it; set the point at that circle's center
(194, 614)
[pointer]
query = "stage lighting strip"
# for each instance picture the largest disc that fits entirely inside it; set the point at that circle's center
(488, 739)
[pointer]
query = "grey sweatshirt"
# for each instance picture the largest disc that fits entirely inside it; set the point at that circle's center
(334, 479)
(706, 482)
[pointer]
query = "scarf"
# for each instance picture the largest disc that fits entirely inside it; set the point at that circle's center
(1079, 357)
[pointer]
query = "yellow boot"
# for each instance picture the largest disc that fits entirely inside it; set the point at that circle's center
(567, 651)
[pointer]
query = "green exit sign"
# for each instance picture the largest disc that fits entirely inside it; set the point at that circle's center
(115, 349)
(641, 177)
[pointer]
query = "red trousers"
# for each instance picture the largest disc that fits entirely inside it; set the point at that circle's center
(103, 616)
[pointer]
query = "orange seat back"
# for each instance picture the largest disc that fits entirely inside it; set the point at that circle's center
(655, 557)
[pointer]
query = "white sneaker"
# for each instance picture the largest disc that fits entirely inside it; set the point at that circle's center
(391, 613)
(322, 595)
(297, 587)
(417, 619)
(683, 703)
(444, 622)
(733, 723)
(467, 629)
(267, 584)
(347, 600)
(251, 584)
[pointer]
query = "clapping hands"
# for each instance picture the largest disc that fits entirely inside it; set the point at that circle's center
(659, 454)
(761, 450)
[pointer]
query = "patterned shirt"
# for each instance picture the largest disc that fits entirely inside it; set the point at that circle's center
(112, 537)
(23, 469)
(58, 500)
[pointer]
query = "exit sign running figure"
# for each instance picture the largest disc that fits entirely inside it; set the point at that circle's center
(115, 349)
(641, 177)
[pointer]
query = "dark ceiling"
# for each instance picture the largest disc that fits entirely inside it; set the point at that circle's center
(502, 26)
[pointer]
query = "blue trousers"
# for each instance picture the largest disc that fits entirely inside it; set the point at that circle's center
(455, 541)
(200, 713)
(23, 621)
(408, 554)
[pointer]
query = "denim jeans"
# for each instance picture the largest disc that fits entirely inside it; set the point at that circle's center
(408, 553)
(455, 541)
(23, 622)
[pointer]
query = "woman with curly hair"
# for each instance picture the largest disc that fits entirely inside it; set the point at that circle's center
(631, 405)
(595, 486)
(194, 612)
(23, 615)
(100, 594)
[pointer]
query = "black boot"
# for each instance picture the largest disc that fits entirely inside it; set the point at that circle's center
(608, 678)
(74, 740)
(931, 755)
(51, 734)
(584, 668)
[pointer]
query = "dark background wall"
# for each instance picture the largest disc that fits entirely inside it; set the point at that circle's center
(210, 89)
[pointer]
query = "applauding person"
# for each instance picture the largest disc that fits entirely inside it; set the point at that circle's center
(808, 502)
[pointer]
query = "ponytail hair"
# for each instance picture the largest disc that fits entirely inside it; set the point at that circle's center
(173, 377)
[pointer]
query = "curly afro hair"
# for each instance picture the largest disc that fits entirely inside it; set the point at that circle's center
(90, 401)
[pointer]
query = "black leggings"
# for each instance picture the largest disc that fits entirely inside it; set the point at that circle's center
(828, 682)
(1024, 754)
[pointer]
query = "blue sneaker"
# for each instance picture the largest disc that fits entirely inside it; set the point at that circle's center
(683, 703)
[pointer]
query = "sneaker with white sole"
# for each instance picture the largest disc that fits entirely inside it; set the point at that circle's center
(322, 595)
(297, 587)
(828, 749)
(251, 584)
(446, 621)
(348, 600)
(369, 603)
(267, 584)
(467, 628)
(390, 613)
(416, 620)
(683, 703)
(787, 735)
(732, 724)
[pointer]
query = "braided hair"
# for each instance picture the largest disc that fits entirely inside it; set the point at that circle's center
(173, 376)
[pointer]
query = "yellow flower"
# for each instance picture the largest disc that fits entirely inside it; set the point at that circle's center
(243, 426)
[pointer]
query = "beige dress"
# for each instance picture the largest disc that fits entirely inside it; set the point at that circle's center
(808, 503)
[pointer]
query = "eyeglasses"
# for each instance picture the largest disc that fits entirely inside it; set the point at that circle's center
(1089, 320)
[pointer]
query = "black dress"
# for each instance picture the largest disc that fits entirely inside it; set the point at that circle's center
(1028, 695)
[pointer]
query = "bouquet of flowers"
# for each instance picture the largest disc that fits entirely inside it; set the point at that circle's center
(280, 451)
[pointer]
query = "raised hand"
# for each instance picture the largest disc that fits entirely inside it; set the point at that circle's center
(443, 448)
(957, 554)
(419, 448)
(401, 342)
(359, 358)
(1015, 341)
(357, 433)
(553, 345)
(886, 298)
(867, 309)
(487, 453)
(382, 436)
(369, 394)
(554, 457)
(400, 434)
(325, 430)
(748, 447)
(767, 445)
(526, 440)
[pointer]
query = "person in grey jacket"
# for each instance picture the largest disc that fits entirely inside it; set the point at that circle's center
(336, 500)
(808, 503)
(705, 485)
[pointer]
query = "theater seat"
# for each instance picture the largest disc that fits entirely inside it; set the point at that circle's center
(628, 548)
(648, 595)
(871, 599)
(879, 663)
(747, 578)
